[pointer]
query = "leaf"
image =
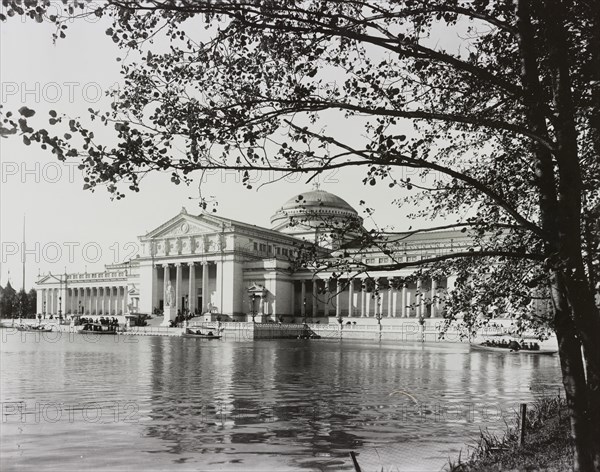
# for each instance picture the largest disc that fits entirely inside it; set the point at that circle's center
(26, 112)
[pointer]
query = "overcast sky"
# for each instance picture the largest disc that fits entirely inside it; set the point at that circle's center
(69, 228)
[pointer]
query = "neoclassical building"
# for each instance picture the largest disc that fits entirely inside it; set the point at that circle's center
(219, 267)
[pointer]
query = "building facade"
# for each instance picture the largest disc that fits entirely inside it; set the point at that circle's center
(218, 267)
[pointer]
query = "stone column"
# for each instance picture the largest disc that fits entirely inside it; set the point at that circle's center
(422, 302)
(419, 298)
(390, 299)
(84, 300)
(124, 299)
(166, 279)
(404, 301)
(103, 300)
(315, 298)
(155, 288)
(121, 299)
(408, 308)
(219, 285)
(379, 304)
(115, 302)
(433, 298)
(97, 301)
(192, 288)
(111, 299)
(178, 287)
(350, 297)
(338, 299)
(367, 304)
(303, 301)
(363, 295)
(205, 288)
(439, 302)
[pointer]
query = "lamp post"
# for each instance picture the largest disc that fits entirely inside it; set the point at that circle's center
(80, 312)
(44, 309)
(304, 310)
(377, 297)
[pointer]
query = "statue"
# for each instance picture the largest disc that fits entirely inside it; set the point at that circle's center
(169, 295)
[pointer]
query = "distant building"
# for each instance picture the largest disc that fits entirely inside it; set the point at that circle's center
(219, 267)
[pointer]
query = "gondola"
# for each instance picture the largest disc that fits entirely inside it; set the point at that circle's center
(506, 350)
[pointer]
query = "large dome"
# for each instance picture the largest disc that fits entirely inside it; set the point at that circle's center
(311, 215)
(319, 199)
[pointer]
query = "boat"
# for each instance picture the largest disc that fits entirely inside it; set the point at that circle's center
(33, 329)
(97, 328)
(506, 350)
(198, 334)
(308, 336)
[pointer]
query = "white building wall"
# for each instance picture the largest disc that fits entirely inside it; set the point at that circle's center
(148, 287)
(233, 289)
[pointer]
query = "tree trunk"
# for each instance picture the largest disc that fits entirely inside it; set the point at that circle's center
(583, 307)
(573, 377)
(577, 318)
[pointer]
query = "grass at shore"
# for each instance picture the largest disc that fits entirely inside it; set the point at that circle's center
(547, 444)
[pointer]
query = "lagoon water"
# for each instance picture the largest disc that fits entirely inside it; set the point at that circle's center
(74, 402)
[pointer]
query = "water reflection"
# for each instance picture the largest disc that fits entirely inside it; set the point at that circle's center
(264, 405)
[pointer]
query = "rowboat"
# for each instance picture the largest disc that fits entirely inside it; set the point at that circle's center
(96, 328)
(33, 329)
(202, 336)
(506, 350)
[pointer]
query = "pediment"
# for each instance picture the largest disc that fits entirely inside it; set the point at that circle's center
(184, 225)
(256, 288)
(48, 279)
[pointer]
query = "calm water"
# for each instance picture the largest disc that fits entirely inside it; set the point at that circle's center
(157, 403)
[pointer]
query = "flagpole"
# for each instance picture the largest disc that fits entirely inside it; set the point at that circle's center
(24, 253)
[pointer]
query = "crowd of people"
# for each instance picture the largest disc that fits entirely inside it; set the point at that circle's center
(112, 322)
(512, 345)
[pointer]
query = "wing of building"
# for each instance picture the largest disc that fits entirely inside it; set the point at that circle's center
(218, 267)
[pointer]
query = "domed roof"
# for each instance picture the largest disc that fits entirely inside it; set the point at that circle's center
(317, 198)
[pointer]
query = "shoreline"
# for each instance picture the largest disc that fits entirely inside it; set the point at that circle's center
(547, 445)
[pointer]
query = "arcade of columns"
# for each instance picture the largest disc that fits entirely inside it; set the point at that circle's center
(110, 301)
(178, 286)
(384, 300)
